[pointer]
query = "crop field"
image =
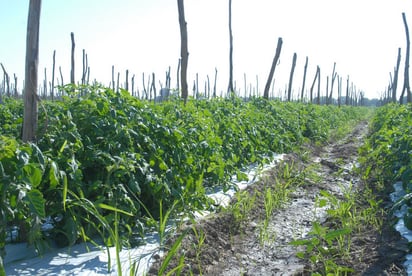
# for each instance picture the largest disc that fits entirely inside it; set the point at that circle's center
(111, 166)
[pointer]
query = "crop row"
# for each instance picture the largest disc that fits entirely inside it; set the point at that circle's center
(389, 145)
(103, 157)
(387, 155)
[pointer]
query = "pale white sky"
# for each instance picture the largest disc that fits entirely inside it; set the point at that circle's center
(361, 36)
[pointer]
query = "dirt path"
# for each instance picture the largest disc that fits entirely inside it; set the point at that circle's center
(233, 249)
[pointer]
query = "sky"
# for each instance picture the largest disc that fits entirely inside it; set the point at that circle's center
(142, 36)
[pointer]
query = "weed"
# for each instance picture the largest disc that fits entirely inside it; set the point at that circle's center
(320, 248)
(243, 205)
(173, 251)
(325, 244)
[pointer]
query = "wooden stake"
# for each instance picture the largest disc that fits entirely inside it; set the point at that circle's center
(72, 80)
(184, 54)
(292, 70)
(52, 81)
(230, 86)
(31, 70)
(272, 69)
(406, 87)
(304, 79)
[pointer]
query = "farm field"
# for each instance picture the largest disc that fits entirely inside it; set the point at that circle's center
(323, 204)
(110, 167)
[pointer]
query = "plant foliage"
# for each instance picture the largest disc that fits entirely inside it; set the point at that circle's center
(104, 158)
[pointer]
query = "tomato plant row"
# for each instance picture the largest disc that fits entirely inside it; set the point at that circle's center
(104, 157)
(387, 155)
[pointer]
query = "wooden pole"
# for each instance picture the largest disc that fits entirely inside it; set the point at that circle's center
(133, 93)
(208, 87)
(126, 85)
(304, 79)
(72, 80)
(144, 86)
(230, 86)
(395, 76)
(272, 69)
(257, 84)
(168, 79)
(61, 75)
(113, 82)
(118, 82)
(15, 86)
(339, 89)
(53, 70)
(347, 91)
(327, 89)
(184, 54)
(318, 100)
(292, 70)
(153, 86)
(45, 83)
(197, 85)
(85, 68)
(313, 83)
(31, 70)
(333, 77)
(177, 75)
(406, 87)
(7, 80)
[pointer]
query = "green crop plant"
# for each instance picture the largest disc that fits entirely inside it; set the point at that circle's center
(386, 157)
(172, 252)
(242, 206)
(320, 249)
(198, 244)
(135, 155)
(325, 244)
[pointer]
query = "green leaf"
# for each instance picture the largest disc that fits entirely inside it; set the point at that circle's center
(111, 208)
(33, 174)
(241, 176)
(322, 202)
(300, 255)
(63, 146)
(35, 201)
(70, 230)
(64, 191)
(53, 175)
(331, 235)
(299, 242)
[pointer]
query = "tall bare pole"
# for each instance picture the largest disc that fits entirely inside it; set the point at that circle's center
(52, 81)
(406, 87)
(6, 79)
(292, 70)
(347, 91)
(184, 54)
(313, 83)
(272, 69)
(31, 70)
(304, 79)
(395, 76)
(318, 97)
(230, 87)
(333, 77)
(72, 80)
(178, 74)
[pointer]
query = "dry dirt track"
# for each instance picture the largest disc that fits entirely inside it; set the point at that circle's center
(232, 250)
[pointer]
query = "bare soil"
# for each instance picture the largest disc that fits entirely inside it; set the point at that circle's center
(233, 248)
